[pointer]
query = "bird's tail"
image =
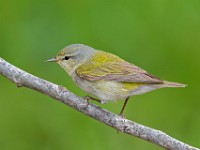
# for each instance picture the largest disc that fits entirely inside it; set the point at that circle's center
(174, 84)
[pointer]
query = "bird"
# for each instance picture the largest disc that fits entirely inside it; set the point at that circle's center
(106, 76)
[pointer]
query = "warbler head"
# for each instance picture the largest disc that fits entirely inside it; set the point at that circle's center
(72, 56)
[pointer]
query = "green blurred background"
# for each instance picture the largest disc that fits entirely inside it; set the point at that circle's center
(161, 36)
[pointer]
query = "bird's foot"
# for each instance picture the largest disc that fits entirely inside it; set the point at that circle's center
(122, 115)
(91, 98)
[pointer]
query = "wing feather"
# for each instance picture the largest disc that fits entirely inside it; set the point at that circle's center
(119, 71)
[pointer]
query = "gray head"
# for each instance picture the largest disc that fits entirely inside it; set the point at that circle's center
(72, 56)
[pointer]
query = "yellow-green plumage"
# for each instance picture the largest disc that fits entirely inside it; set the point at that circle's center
(129, 86)
(99, 60)
(98, 66)
(105, 75)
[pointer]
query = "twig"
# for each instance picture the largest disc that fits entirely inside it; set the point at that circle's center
(22, 78)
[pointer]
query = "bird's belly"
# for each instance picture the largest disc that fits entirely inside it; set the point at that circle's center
(106, 90)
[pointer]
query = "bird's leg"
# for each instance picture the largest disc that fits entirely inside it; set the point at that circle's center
(91, 98)
(122, 111)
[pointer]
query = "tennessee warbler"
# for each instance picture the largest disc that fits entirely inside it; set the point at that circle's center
(105, 75)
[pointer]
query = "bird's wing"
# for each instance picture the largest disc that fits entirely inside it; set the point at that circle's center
(119, 71)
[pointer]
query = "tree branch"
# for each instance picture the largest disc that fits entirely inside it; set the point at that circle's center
(22, 78)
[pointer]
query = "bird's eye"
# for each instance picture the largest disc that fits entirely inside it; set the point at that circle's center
(66, 58)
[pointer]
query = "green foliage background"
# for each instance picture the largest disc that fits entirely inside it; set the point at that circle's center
(161, 36)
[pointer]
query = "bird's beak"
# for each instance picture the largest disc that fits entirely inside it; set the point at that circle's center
(52, 60)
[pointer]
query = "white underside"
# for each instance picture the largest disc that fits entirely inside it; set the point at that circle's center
(111, 90)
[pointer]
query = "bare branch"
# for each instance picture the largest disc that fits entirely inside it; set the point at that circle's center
(22, 78)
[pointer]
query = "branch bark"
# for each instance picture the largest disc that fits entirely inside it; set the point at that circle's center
(22, 78)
